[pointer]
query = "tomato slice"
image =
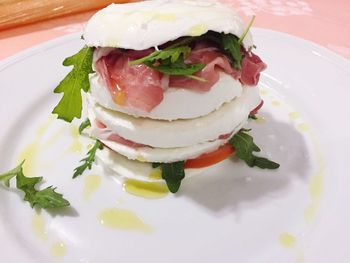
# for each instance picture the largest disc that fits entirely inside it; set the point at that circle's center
(255, 111)
(211, 158)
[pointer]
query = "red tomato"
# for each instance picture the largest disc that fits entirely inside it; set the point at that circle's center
(255, 111)
(211, 158)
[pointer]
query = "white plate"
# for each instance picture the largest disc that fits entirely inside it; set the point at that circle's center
(231, 213)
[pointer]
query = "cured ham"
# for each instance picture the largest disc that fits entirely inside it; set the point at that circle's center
(142, 88)
(102, 132)
(252, 65)
(215, 62)
(135, 86)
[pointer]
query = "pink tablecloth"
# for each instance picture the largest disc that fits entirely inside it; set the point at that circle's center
(322, 21)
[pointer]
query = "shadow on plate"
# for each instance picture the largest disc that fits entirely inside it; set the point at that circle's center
(232, 183)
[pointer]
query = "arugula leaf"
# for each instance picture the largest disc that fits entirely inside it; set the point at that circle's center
(247, 30)
(88, 160)
(172, 53)
(252, 116)
(46, 198)
(70, 105)
(171, 61)
(177, 68)
(173, 173)
(85, 124)
(155, 165)
(245, 146)
(231, 45)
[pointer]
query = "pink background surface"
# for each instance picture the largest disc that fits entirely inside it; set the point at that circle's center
(322, 21)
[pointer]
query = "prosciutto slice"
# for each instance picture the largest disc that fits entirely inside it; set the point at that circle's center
(142, 88)
(252, 65)
(134, 86)
(215, 62)
(101, 131)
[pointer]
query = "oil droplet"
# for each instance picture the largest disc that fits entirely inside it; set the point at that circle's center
(112, 41)
(31, 151)
(287, 240)
(30, 154)
(156, 174)
(310, 211)
(92, 182)
(141, 159)
(120, 200)
(75, 147)
(119, 97)
(275, 103)
(263, 92)
(165, 17)
(303, 127)
(42, 128)
(260, 120)
(145, 189)
(53, 138)
(58, 249)
(300, 258)
(38, 226)
(294, 115)
(122, 219)
(74, 131)
(316, 185)
(198, 30)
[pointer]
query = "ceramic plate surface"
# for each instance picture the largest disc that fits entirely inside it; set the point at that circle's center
(229, 213)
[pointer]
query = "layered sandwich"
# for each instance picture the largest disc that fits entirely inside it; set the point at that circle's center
(170, 85)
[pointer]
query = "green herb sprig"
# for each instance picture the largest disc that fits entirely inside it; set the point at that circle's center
(245, 148)
(70, 105)
(171, 61)
(46, 198)
(172, 173)
(88, 160)
(84, 125)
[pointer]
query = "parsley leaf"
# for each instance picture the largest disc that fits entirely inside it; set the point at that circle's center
(245, 146)
(85, 124)
(172, 173)
(46, 198)
(70, 105)
(88, 160)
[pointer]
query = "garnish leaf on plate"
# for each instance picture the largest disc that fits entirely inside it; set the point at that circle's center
(46, 198)
(245, 148)
(173, 173)
(70, 105)
(85, 124)
(88, 160)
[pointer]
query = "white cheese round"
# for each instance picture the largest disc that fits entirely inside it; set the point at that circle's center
(179, 133)
(148, 24)
(177, 103)
(124, 168)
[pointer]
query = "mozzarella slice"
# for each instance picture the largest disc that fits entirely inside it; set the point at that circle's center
(177, 103)
(130, 169)
(147, 24)
(179, 133)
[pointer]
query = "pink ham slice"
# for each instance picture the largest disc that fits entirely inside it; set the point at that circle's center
(142, 87)
(252, 65)
(215, 62)
(115, 137)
